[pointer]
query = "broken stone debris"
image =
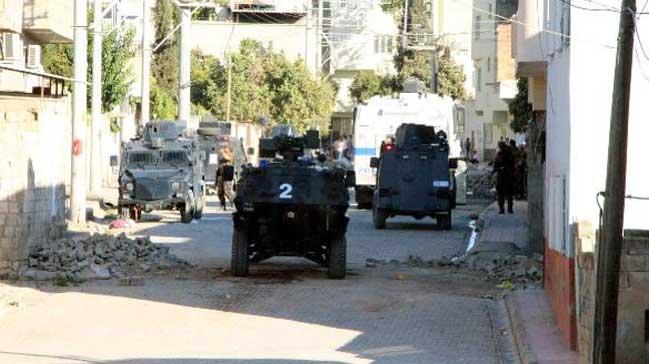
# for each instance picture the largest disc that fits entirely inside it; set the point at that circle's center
(101, 256)
(480, 181)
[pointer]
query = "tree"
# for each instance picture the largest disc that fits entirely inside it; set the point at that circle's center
(450, 79)
(263, 84)
(117, 76)
(367, 84)
(520, 108)
(417, 63)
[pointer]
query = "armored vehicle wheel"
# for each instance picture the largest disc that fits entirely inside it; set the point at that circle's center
(378, 217)
(239, 263)
(200, 204)
(444, 221)
(337, 258)
(187, 209)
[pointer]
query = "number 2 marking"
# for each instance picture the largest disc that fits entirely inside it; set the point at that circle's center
(286, 191)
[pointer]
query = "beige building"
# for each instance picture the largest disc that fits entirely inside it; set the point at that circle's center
(35, 134)
(487, 114)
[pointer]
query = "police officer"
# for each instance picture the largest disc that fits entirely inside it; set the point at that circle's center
(504, 167)
(223, 182)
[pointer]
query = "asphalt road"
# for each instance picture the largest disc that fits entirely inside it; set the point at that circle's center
(285, 312)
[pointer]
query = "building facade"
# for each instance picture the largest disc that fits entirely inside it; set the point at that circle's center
(568, 55)
(35, 129)
(487, 113)
(357, 36)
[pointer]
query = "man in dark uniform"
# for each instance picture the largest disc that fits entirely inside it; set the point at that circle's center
(504, 167)
(223, 181)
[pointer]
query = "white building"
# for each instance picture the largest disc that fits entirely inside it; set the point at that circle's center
(283, 26)
(570, 88)
(358, 36)
(487, 113)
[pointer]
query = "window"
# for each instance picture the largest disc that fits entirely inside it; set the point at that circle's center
(489, 64)
(460, 121)
(476, 28)
(383, 44)
(488, 133)
(478, 79)
(342, 3)
(491, 8)
(558, 214)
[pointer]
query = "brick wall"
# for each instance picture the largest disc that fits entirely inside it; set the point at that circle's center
(34, 169)
(633, 302)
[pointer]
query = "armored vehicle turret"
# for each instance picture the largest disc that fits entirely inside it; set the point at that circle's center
(293, 204)
(161, 170)
(414, 177)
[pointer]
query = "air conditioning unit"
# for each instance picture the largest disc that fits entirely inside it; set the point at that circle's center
(12, 47)
(34, 56)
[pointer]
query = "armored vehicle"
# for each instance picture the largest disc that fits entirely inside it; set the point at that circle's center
(414, 177)
(161, 170)
(291, 205)
(213, 136)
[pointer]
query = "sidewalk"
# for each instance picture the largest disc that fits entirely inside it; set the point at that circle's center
(536, 335)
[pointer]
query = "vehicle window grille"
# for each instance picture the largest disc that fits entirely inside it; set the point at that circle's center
(140, 158)
(174, 157)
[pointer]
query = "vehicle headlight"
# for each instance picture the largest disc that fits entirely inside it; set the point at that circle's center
(175, 186)
(130, 187)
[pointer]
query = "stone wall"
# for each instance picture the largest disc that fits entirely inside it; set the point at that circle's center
(633, 304)
(34, 170)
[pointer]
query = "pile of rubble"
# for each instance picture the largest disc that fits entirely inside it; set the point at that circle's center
(480, 181)
(101, 256)
(503, 263)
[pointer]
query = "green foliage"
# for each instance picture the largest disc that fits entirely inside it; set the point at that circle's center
(520, 108)
(163, 106)
(117, 76)
(417, 63)
(118, 49)
(367, 84)
(165, 63)
(450, 79)
(58, 59)
(263, 84)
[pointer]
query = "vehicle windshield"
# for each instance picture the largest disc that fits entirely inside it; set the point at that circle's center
(157, 159)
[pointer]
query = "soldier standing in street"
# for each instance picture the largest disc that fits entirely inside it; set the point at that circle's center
(504, 167)
(223, 181)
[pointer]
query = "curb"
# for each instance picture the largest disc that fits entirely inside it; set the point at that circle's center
(525, 353)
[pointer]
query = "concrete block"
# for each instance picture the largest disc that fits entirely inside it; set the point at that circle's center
(633, 263)
(639, 280)
(624, 280)
(635, 246)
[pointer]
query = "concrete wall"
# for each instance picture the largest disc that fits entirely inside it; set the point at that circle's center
(34, 170)
(11, 15)
(49, 21)
(214, 38)
(633, 303)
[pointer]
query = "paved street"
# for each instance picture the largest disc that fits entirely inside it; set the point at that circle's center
(283, 313)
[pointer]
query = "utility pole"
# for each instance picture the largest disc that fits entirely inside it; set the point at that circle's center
(146, 62)
(229, 92)
(404, 37)
(184, 97)
(78, 177)
(318, 32)
(95, 122)
(610, 246)
(307, 32)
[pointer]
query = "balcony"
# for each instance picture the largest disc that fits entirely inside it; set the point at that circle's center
(48, 21)
(526, 40)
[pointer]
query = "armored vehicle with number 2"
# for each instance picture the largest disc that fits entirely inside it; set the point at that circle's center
(292, 205)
